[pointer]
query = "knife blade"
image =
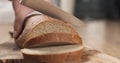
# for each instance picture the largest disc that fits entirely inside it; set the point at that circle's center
(53, 11)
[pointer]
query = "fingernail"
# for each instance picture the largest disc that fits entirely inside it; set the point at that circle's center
(15, 34)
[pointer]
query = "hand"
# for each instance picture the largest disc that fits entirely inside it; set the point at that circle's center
(20, 14)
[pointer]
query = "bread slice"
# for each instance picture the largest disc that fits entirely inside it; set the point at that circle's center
(43, 30)
(54, 54)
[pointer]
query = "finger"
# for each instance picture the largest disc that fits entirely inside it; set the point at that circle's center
(17, 27)
(20, 14)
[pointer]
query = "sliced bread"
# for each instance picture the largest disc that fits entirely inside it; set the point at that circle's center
(54, 54)
(41, 29)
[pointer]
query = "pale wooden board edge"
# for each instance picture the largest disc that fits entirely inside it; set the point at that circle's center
(89, 56)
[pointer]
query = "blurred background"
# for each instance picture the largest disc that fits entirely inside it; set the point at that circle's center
(83, 9)
(101, 18)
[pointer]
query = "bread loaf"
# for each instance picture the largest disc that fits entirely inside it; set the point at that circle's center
(42, 30)
(54, 54)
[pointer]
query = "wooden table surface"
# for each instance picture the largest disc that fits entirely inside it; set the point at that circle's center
(101, 35)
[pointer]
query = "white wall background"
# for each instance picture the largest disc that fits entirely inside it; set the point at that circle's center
(6, 12)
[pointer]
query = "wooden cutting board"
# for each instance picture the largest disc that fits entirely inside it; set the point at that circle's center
(10, 53)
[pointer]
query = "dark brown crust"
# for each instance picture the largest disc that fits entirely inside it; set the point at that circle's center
(12, 61)
(53, 38)
(54, 58)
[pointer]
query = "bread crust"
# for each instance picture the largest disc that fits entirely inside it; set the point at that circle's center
(53, 58)
(31, 23)
(52, 38)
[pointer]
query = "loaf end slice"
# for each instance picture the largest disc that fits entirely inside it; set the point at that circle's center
(56, 54)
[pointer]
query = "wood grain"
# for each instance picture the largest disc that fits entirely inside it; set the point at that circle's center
(100, 35)
(10, 53)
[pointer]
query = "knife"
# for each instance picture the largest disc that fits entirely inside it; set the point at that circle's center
(53, 11)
